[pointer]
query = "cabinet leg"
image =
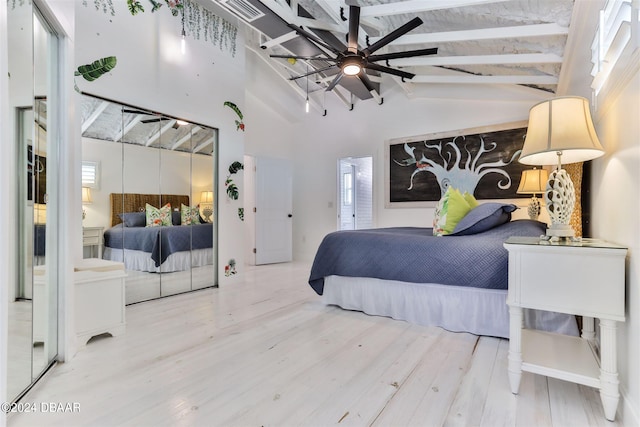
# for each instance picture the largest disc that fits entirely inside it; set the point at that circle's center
(608, 369)
(515, 348)
(588, 329)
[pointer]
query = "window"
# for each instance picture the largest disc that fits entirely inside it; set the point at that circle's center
(90, 174)
(347, 189)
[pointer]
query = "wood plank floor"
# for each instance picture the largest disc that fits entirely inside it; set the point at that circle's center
(267, 352)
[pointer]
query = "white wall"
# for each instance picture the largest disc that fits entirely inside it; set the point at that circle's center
(616, 207)
(153, 74)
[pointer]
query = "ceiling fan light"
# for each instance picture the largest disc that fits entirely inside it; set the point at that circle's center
(351, 69)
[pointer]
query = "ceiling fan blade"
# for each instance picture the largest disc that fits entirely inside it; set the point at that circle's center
(335, 82)
(406, 54)
(366, 81)
(354, 26)
(399, 32)
(308, 58)
(388, 70)
(313, 72)
(130, 111)
(307, 35)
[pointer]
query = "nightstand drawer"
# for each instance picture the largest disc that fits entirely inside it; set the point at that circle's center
(91, 236)
(578, 280)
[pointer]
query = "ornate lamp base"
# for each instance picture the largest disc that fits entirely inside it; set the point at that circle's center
(207, 211)
(560, 199)
(533, 209)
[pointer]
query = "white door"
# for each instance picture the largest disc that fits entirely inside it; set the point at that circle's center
(274, 210)
(355, 195)
(347, 197)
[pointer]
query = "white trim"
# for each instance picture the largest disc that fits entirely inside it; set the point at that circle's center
(7, 268)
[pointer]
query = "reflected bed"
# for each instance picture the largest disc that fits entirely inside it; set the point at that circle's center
(155, 249)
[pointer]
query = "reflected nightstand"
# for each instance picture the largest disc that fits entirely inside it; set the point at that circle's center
(92, 237)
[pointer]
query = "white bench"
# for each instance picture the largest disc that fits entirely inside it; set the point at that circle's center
(99, 298)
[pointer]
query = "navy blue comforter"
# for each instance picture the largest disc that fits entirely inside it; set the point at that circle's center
(412, 254)
(160, 242)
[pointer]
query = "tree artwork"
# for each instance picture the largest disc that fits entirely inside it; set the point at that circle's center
(483, 164)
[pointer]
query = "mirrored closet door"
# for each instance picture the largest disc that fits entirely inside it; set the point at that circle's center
(33, 299)
(153, 197)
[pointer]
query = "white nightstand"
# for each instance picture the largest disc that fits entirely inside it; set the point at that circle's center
(92, 237)
(581, 278)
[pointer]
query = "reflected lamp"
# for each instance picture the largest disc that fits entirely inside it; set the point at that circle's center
(560, 129)
(86, 200)
(533, 181)
(206, 203)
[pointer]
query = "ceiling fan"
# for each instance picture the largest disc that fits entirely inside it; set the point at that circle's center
(352, 61)
(176, 124)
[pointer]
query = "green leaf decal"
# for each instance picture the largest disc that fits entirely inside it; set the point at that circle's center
(232, 189)
(235, 167)
(134, 6)
(234, 107)
(156, 5)
(92, 71)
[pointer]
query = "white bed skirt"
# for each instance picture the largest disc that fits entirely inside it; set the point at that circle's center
(141, 261)
(454, 308)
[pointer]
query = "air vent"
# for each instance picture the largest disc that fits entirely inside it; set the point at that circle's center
(243, 8)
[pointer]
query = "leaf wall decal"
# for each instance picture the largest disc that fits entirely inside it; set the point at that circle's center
(97, 68)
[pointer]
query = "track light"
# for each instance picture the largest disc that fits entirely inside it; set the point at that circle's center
(306, 104)
(183, 42)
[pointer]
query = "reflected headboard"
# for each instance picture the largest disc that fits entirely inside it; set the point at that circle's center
(133, 202)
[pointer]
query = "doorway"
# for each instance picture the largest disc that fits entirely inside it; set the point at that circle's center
(355, 193)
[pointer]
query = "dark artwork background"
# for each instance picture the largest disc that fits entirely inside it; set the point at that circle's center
(425, 184)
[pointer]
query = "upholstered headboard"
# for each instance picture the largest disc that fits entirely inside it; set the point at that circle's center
(131, 202)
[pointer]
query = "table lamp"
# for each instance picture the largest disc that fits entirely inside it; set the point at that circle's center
(86, 200)
(206, 201)
(560, 129)
(533, 181)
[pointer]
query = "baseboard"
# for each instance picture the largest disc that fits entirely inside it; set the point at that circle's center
(627, 414)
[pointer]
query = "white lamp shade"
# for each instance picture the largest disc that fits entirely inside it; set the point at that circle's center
(533, 181)
(560, 125)
(206, 197)
(86, 196)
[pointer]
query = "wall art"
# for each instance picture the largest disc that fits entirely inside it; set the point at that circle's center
(482, 161)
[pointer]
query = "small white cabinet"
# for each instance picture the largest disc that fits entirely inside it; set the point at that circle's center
(583, 278)
(92, 237)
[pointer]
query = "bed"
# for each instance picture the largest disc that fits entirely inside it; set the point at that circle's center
(458, 282)
(155, 249)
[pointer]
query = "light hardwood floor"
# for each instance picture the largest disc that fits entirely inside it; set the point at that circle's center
(267, 352)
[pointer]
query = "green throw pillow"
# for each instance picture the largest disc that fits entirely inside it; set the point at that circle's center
(189, 215)
(451, 208)
(158, 217)
(470, 199)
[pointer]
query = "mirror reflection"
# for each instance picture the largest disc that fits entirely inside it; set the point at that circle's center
(151, 181)
(32, 317)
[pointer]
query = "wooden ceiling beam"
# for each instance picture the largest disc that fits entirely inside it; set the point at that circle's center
(534, 30)
(475, 79)
(522, 58)
(415, 6)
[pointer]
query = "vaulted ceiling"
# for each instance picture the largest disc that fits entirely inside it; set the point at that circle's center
(113, 122)
(480, 42)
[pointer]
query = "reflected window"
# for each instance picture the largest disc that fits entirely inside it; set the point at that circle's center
(90, 175)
